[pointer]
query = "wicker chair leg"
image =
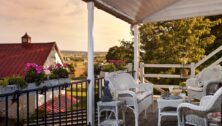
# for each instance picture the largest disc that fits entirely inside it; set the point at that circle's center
(159, 120)
(145, 114)
(136, 120)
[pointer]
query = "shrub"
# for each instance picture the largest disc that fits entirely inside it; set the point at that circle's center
(4, 81)
(108, 67)
(97, 68)
(71, 68)
(121, 67)
(35, 73)
(119, 64)
(17, 80)
(182, 84)
(58, 71)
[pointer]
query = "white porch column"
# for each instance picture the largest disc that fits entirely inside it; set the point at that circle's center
(90, 93)
(136, 52)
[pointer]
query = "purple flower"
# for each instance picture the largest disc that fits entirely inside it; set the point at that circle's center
(29, 66)
(33, 66)
(39, 69)
(58, 65)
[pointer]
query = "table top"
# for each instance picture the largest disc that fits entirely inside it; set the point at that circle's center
(162, 103)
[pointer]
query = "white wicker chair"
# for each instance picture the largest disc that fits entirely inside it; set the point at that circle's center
(204, 83)
(138, 97)
(197, 114)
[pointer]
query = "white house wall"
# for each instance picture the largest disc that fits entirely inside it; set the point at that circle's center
(57, 58)
(53, 58)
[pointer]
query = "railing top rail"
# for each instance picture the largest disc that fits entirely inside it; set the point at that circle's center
(80, 81)
(216, 62)
(42, 88)
(165, 76)
(167, 65)
(164, 86)
(208, 56)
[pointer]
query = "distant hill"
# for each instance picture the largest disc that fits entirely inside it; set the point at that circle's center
(81, 53)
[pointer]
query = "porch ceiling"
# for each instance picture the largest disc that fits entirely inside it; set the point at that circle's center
(144, 11)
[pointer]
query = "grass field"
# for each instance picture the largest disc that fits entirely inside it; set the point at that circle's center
(79, 91)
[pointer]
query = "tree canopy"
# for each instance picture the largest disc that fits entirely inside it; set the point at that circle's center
(180, 41)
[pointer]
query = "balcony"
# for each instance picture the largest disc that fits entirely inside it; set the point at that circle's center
(64, 104)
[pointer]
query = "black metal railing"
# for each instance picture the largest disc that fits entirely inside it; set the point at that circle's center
(63, 104)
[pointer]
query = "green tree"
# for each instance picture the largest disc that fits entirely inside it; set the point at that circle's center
(112, 53)
(180, 41)
(123, 52)
(71, 68)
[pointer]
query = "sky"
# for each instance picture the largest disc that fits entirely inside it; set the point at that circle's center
(63, 21)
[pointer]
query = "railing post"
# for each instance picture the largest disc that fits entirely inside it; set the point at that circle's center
(136, 52)
(142, 72)
(90, 92)
(192, 70)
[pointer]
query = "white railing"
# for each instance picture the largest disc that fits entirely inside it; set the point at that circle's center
(209, 56)
(180, 66)
(192, 67)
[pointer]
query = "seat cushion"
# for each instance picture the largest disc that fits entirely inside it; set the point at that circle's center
(195, 88)
(215, 117)
(141, 95)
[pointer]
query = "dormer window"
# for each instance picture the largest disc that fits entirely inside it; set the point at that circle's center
(24, 40)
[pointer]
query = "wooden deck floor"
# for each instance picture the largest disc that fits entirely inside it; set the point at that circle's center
(152, 118)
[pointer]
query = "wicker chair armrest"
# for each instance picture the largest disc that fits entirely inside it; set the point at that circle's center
(187, 109)
(129, 93)
(190, 106)
(128, 96)
(145, 87)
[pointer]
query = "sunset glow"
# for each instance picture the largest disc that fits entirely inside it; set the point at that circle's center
(63, 21)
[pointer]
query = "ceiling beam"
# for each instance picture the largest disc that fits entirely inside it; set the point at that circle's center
(112, 11)
(187, 9)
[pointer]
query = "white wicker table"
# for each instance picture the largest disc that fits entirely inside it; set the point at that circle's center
(112, 107)
(164, 103)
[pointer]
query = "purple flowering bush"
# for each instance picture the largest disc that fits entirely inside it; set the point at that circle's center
(58, 71)
(35, 73)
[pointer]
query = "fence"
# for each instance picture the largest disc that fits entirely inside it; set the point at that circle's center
(191, 66)
(63, 104)
(180, 66)
(69, 107)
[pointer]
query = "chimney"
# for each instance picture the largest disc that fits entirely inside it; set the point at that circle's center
(26, 39)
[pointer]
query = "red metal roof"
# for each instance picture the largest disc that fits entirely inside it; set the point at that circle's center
(13, 57)
(55, 104)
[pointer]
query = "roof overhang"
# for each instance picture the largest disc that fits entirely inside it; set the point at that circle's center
(144, 11)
